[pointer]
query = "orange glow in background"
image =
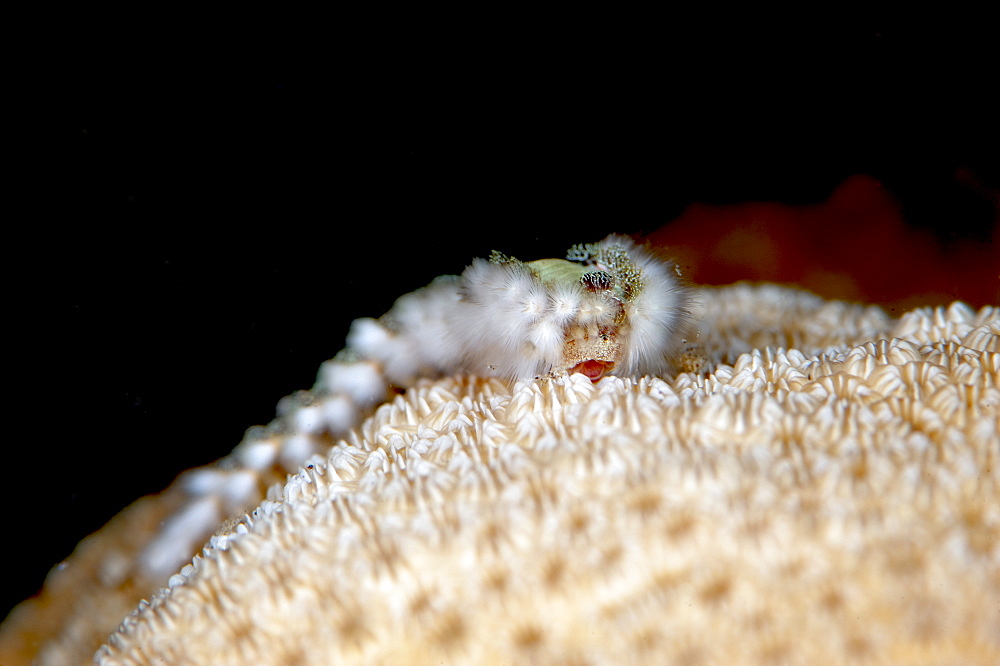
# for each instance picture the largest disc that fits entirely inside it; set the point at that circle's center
(854, 246)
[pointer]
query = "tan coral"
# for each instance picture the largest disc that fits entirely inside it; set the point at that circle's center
(834, 502)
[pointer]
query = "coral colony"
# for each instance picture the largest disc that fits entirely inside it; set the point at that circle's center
(569, 478)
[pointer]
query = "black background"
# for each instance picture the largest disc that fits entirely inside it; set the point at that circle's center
(202, 228)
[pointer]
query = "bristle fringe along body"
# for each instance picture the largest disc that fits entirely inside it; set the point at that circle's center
(609, 308)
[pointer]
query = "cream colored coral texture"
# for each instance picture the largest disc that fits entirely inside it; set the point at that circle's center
(828, 493)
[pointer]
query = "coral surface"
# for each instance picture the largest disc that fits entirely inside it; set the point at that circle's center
(827, 490)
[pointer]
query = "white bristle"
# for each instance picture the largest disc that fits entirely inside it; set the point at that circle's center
(597, 310)
(308, 419)
(564, 302)
(257, 455)
(179, 536)
(295, 449)
(367, 338)
(534, 301)
(239, 489)
(361, 381)
(547, 337)
(339, 414)
(656, 316)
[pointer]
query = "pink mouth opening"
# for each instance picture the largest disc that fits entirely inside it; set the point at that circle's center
(594, 370)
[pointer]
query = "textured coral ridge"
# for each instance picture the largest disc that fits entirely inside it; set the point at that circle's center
(835, 502)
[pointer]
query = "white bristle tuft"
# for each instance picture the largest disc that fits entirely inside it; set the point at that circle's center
(179, 536)
(534, 302)
(597, 310)
(308, 419)
(339, 414)
(257, 455)
(656, 316)
(367, 338)
(547, 337)
(239, 490)
(361, 381)
(564, 302)
(295, 449)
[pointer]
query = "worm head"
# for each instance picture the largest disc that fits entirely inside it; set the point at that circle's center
(607, 308)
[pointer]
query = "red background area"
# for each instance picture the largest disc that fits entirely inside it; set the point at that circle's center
(855, 245)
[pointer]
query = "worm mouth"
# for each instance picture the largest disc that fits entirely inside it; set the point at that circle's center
(593, 369)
